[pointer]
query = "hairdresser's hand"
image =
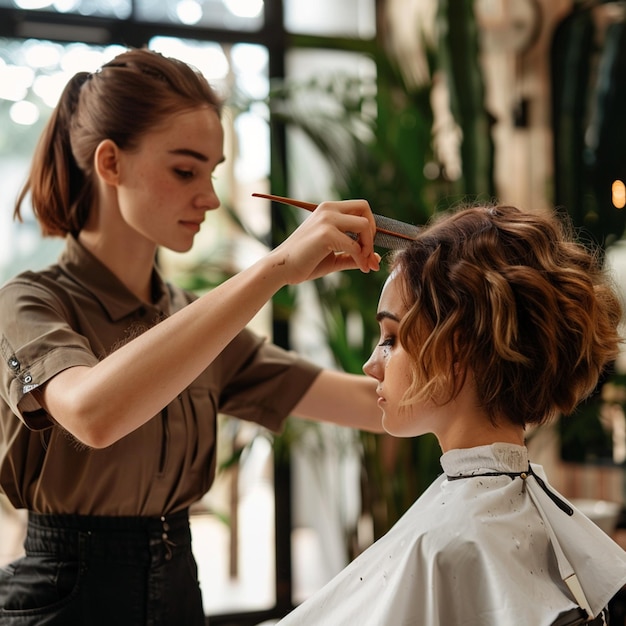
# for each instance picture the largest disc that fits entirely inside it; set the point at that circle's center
(320, 244)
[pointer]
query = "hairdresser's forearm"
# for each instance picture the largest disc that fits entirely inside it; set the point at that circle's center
(126, 389)
(343, 399)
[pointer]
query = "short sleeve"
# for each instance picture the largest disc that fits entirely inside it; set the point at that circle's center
(37, 342)
(263, 382)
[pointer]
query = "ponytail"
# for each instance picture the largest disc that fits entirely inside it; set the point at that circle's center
(58, 188)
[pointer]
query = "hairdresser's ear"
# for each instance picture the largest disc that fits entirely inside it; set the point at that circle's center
(107, 162)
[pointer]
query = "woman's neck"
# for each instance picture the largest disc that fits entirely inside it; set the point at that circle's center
(464, 423)
(470, 433)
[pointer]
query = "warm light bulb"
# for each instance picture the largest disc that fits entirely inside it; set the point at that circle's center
(618, 194)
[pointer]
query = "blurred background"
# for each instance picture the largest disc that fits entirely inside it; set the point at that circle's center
(415, 105)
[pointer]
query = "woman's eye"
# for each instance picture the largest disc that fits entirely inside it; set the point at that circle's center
(387, 342)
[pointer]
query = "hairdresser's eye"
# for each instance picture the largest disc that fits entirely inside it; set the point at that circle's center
(184, 173)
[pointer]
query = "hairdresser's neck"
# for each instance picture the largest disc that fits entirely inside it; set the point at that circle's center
(131, 262)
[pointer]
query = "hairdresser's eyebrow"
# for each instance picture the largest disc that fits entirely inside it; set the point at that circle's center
(195, 155)
(382, 315)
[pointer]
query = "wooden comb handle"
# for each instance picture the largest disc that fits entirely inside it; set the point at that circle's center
(311, 206)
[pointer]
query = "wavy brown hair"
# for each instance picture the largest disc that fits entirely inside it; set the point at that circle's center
(513, 301)
(132, 94)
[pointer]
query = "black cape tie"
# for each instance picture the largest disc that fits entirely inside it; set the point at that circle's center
(566, 508)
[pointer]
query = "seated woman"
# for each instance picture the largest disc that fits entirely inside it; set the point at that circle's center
(492, 320)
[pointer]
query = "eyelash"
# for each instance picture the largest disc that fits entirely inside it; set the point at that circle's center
(388, 342)
(184, 173)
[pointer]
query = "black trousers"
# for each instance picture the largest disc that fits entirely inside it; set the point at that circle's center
(92, 571)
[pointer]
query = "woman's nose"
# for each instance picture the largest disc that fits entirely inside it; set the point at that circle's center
(371, 368)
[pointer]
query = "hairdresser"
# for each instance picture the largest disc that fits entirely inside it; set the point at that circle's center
(111, 379)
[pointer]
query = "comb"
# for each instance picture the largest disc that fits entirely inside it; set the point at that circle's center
(390, 233)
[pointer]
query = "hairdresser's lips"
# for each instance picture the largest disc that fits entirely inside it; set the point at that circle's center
(195, 226)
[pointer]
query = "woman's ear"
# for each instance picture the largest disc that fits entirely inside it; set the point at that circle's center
(107, 162)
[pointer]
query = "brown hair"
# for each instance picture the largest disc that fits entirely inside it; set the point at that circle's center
(512, 300)
(132, 94)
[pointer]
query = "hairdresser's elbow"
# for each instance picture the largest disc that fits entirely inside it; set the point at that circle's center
(97, 439)
(90, 424)
(81, 409)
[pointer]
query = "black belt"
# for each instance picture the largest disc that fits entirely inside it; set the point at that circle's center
(108, 537)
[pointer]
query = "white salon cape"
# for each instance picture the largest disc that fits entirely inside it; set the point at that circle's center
(477, 551)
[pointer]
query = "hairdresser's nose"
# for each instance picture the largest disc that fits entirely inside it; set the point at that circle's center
(207, 199)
